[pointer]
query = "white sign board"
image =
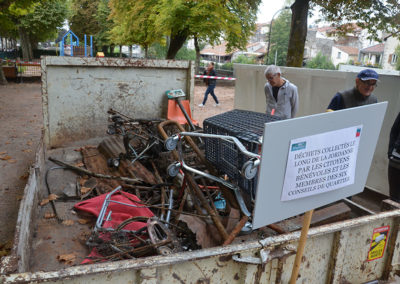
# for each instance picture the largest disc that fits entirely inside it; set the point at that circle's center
(332, 151)
(321, 162)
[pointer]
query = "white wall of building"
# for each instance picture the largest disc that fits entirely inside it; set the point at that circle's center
(338, 56)
(389, 62)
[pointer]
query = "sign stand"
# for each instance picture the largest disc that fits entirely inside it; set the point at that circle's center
(301, 245)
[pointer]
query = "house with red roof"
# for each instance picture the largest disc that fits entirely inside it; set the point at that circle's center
(372, 55)
(343, 54)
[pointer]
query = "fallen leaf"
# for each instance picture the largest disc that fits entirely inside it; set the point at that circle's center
(49, 215)
(13, 136)
(68, 258)
(44, 202)
(5, 249)
(52, 197)
(24, 176)
(83, 221)
(82, 181)
(27, 150)
(2, 153)
(68, 222)
(80, 164)
(199, 227)
(85, 190)
(12, 161)
(29, 143)
(7, 142)
(5, 158)
(20, 197)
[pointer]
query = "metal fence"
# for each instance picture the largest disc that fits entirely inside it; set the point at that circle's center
(17, 70)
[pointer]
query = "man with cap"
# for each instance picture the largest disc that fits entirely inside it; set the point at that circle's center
(359, 95)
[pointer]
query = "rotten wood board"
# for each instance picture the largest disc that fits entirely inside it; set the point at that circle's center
(111, 147)
(95, 162)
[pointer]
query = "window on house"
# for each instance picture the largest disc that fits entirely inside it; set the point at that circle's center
(394, 59)
(339, 55)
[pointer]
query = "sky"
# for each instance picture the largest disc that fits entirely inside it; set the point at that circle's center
(268, 8)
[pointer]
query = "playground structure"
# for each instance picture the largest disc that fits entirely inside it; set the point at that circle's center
(74, 48)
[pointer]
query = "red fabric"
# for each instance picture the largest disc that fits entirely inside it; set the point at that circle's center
(119, 213)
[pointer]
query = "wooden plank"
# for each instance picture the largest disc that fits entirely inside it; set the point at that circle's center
(111, 147)
(333, 213)
(388, 205)
(95, 162)
(10, 72)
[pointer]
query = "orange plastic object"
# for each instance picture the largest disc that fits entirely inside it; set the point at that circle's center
(175, 113)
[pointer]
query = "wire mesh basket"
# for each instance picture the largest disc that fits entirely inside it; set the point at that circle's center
(248, 127)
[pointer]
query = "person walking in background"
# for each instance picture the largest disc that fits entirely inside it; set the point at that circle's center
(359, 95)
(281, 95)
(394, 161)
(211, 83)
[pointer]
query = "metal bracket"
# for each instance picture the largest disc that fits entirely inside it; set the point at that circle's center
(266, 255)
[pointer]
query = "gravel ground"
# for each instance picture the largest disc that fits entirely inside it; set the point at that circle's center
(225, 97)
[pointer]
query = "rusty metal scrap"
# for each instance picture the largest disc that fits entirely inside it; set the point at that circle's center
(137, 163)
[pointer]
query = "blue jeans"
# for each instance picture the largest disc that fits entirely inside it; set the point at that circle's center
(210, 90)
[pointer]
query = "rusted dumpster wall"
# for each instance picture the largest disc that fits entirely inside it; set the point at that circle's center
(334, 253)
(77, 92)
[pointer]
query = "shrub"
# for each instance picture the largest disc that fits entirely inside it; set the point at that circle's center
(320, 62)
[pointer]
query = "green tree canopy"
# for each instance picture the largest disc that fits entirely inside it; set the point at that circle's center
(397, 52)
(35, 22)
(374, 15)
(102, 37)
(146, 21)
(84, 17)
(43, 21)
(280, 39)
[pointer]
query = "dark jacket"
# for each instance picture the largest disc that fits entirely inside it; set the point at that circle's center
(210, 82)
(350, 98)
(394, 140)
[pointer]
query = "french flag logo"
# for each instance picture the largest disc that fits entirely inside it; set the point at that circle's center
(358, 133)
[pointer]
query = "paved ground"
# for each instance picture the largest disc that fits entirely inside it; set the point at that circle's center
(20, 130)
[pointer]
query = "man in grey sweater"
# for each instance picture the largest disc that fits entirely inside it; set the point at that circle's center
(282, 97)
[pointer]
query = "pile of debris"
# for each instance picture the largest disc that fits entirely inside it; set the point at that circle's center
(145, 201)
(155, 189)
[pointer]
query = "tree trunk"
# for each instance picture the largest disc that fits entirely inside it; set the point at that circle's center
(120, 51)
(177, 40)
(3, 80)
(146, 51)
(27, 53)
(112, 50)
(298, 33)
(197, 48)
(130, 50)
